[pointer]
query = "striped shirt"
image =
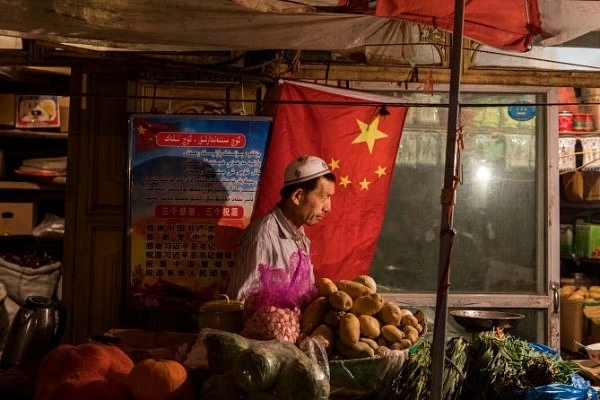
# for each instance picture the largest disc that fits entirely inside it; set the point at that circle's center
(268, 240)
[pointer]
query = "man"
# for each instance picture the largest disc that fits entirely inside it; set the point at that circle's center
(275, 237)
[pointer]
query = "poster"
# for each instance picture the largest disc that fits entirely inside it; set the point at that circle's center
(193, 181)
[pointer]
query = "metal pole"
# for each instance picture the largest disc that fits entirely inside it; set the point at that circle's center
(448, 198)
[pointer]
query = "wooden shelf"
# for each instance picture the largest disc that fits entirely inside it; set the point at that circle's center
(31, 134)
(584, 205)
(577, 133)
(34, 186)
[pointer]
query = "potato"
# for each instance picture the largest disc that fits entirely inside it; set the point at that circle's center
(406, 311)
(594, 294)
(390, 314)
(369, 304)
(409, 320)
(354, 289)
(422, 322)
(325, 286)
(411, 333)
(576, 296)
(370, 327)
(313, 314)
(326, 334)
(349, 330)
(340, 300)
(391, 333)
(368, 281)
(401, 344)
(567, 290)
(354, 350)
(373, 344)
(333, 317)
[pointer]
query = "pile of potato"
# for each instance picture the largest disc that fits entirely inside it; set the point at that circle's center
(352, 320)
(573, 292)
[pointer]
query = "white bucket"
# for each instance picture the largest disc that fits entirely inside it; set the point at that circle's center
(591, 95)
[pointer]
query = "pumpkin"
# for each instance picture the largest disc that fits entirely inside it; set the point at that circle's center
(90, 371)
(159, 379)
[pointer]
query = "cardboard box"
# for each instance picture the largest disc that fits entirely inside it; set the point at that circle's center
(37, 112)
(571, 324)
(17, 218)
(587, 240)
(7, 110)
(591, 313)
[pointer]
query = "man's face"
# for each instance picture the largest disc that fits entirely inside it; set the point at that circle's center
(312, 206)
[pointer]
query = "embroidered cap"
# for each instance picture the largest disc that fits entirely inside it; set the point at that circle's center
(303, 169)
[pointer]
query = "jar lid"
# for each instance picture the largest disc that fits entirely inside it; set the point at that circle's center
(224, 305)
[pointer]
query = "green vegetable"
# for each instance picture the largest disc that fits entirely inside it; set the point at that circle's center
(255, 368)
(300, 376)
(222, 348)
(455, 368)
(413, 381)
(491, 365)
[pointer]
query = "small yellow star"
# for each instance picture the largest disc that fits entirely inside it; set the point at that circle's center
(364, 184)
(141, 130)
(369, 133)
(345, 181)
(381, 171)
(334, 164)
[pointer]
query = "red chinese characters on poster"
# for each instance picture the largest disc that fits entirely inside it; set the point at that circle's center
(192, 188)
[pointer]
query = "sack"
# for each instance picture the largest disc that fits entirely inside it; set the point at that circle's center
(21, 282)
(4, 318)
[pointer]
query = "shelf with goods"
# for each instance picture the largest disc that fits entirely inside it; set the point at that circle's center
(28, 190)
(579, 166)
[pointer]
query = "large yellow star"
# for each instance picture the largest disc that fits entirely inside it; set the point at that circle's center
(345, 181)
(364, 184)
(369, 133)
(381, 171)
(334, 164)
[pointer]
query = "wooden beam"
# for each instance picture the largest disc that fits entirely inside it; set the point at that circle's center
(356, 72)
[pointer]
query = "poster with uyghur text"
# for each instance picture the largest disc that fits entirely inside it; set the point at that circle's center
(193, 181)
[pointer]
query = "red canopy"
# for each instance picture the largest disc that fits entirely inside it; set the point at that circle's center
(504, 24)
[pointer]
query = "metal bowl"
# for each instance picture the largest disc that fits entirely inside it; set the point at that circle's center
(483, 320)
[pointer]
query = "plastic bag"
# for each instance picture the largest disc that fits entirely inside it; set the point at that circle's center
(283, 289)
(50, 227)
(272, 307)
(315, 349)
(579, 389)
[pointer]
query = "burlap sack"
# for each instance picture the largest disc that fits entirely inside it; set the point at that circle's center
(21, 282)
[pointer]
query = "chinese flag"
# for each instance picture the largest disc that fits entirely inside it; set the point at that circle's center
(359, 140)
(503, 24)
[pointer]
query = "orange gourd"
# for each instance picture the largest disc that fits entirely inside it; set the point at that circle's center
(160, 379)
(90, 371)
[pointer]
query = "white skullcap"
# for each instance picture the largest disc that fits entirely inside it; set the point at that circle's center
(304, 168)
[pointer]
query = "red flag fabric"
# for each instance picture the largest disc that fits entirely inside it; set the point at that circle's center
(359, 140)
(504, 24)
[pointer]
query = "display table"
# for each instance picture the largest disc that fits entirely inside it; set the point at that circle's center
(18, 383)
(589, 370)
